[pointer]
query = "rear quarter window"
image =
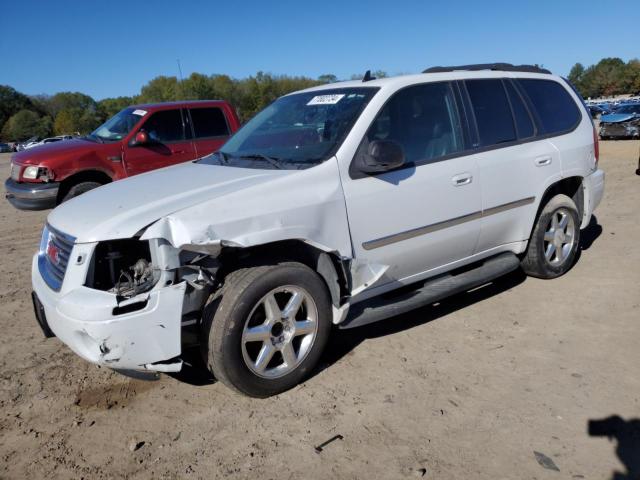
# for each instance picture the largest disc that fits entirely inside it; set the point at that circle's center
(556, 111)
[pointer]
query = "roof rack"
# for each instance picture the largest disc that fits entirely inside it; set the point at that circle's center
(504, 67)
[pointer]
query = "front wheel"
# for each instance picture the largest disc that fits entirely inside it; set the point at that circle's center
(554, 241)
(266, 328)
(79, 189)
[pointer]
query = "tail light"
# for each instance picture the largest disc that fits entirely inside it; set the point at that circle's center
(596, 145)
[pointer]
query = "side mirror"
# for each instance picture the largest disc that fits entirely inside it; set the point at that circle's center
(141, 138)
(382, 156)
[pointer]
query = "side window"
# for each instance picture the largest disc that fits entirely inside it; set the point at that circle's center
(492, 111)
(165, 126)
(209, 122)
(423, 119)
(524, 124)
(554, 106)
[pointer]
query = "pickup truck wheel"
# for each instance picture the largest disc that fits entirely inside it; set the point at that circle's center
(79, 189)
(554, 242)
(267, 327)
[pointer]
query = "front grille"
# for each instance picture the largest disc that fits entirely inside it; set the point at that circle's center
(53, 258)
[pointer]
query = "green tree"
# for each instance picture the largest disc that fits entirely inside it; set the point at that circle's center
(327, 78)
(576, 73)
(159, 89)
(631, 77)
(196, 87)
(25, 124)
(108, 107)
(75, 120)
(64, 101)
(11, 102)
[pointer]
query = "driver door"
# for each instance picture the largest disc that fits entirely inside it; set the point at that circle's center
(170, 143)
(425, 214)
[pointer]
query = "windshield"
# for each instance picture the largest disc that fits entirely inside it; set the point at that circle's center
(118, 126)
(628, 109)
(295, 131)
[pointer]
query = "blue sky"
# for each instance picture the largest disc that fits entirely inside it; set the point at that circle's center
(113, 47)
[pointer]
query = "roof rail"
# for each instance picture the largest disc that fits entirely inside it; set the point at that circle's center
(504, 67)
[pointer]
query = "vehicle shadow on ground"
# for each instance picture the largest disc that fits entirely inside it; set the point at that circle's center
(627, 435)
(343, 342)
(590, 233)
(194, 369)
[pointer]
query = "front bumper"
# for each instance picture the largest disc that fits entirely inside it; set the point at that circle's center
(31, 196)
(85, 321)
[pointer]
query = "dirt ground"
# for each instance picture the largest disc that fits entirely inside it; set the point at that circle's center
(469, 388)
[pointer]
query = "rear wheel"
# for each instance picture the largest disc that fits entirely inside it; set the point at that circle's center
(79, 189)
(267, 327)
(554, 242)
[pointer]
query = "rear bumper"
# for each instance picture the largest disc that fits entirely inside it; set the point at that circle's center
(85, 320)
(31, 196)
(594, 190)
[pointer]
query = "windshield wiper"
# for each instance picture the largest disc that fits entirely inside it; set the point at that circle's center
(275, 162)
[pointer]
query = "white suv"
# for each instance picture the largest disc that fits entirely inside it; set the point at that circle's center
(338, 205)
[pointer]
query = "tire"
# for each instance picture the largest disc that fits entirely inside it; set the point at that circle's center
(260, 354)
(550, 254)
(79, 189)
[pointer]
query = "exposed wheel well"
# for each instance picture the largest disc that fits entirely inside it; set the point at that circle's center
(85, 176)
(571, 187)
(332, 269)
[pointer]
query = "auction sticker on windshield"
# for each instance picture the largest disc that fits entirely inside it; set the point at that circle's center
(142, 113)
(326, 99)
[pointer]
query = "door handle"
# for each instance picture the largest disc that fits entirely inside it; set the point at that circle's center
(542, 161)
(462, 179)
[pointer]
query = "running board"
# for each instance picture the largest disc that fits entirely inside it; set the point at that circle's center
(433, 290)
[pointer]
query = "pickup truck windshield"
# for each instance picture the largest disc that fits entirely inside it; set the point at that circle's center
(296, 131)
(118, 126)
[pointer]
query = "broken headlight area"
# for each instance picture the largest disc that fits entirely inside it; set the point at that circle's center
(123, 267)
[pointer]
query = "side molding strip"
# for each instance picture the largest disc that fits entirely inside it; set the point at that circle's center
(416, 232)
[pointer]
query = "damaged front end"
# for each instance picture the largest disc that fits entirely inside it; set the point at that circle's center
(126, 303)
(620, 126)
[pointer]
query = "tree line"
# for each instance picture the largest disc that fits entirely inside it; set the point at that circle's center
(608, 77)
(23, 116)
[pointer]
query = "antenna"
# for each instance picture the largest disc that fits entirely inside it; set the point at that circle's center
(179, 69)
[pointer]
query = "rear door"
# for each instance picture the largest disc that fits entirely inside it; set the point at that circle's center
(170, 143)
(210, 129)
(426, 214)
(513, 160)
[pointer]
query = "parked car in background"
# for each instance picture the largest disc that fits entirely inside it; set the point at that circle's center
(597, 110)
(136, 140)
(624, 122)
(23, 145)
(343, 204)
(5, 147)
(44, 141)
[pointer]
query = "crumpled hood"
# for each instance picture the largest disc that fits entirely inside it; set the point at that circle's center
(121, 209)
(205, 206)
(617, 117)
(37, 155)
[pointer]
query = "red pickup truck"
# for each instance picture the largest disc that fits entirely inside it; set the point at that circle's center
(137, 139)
